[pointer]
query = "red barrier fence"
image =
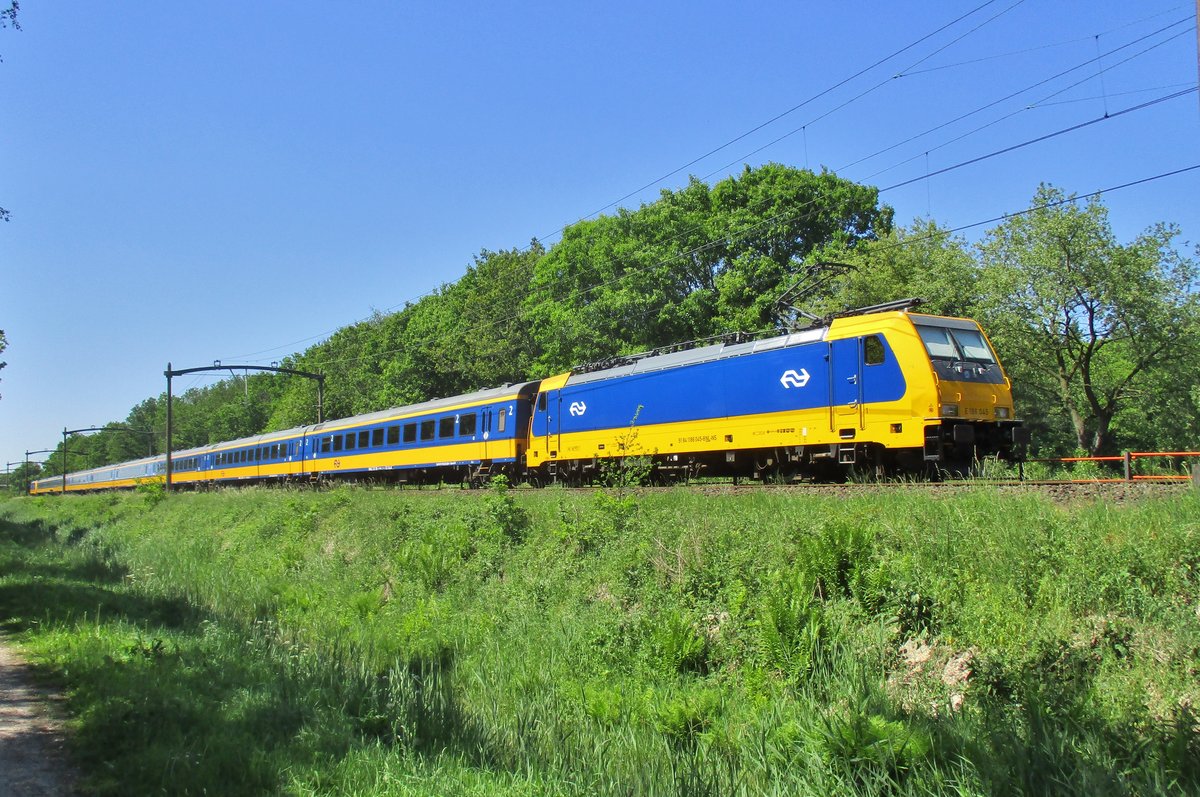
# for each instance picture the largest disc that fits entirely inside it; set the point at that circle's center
(1127, 459)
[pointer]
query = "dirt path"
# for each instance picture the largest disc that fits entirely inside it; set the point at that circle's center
(33, 761)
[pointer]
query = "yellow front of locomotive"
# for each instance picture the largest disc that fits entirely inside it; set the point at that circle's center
(969, 415)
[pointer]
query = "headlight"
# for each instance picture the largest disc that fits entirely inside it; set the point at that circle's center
(950, 410)
(1002, 412)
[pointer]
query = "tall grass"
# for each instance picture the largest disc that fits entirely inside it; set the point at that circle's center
(552, 642)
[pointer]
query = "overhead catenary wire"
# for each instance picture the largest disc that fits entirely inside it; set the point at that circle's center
(860, 95)
(676, 171)
(1036, 104)
(493, 324)
(798, 106)
(779, 116)
(1028, 50)
(907, 71)
(1015, 94)
(795, 212)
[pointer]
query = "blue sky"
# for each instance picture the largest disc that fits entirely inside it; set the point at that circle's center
(234, 181)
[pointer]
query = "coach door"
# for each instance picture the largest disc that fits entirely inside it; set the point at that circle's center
(485, 428)
(845, 386)
(545, 422)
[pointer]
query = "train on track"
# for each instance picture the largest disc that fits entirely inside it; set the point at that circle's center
(881, 389)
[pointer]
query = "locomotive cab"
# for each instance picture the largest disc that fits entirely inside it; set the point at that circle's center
(970, 413)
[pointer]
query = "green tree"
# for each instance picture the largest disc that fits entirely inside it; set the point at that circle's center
(1085, 321)
(23, 474)
(776, 219)
(696, 262)
(921, 260)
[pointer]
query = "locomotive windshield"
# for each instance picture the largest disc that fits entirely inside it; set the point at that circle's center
(944, 343)
(960, 353)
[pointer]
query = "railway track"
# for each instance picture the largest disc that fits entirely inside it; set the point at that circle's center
(1057, 490)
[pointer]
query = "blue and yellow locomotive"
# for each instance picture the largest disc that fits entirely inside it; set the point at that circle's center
(886, 391)
(883, 391)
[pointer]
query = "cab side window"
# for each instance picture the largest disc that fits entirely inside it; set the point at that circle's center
(873, 352)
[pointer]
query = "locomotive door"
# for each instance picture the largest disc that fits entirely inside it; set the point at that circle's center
(845, 384)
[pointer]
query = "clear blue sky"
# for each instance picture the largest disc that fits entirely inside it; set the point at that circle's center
(236, 180)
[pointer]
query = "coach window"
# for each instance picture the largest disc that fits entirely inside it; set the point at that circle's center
(427, 429)
(325, 443)
(337, 442)
(350, 441)
(446, 427)
(393, 435)
(466, 424)
(873, 350)
(410, 432)
(377, 437)
(500, 424)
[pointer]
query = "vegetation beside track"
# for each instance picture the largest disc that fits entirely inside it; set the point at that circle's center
(564, 643)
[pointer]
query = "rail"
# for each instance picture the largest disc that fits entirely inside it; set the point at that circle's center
(1128, 466)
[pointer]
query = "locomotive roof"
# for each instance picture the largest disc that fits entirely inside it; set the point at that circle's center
(703, 354)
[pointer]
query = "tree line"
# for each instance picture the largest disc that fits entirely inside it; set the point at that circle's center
(1100, 337)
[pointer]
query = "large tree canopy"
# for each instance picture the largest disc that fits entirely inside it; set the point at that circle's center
(1085, 321)
(697, 262)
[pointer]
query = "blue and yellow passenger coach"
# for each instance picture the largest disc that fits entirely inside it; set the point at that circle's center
(886, 391)
(463, 438)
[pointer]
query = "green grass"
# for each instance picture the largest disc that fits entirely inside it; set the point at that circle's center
(564, 643)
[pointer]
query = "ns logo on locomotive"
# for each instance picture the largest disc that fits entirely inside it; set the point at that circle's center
(884, 389)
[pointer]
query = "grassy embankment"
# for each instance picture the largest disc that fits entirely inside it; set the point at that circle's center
(515, 642)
